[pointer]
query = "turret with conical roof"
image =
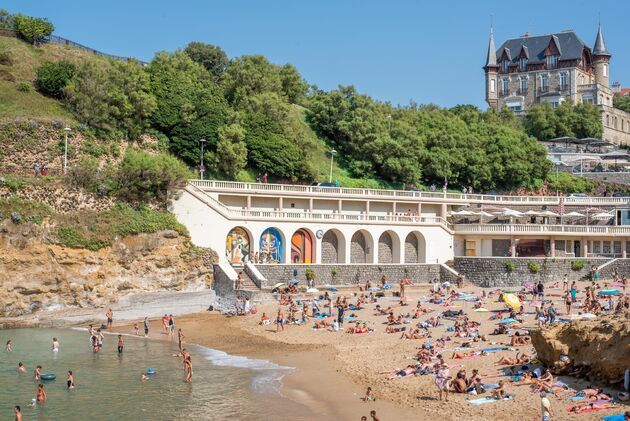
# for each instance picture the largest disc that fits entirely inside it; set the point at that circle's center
(492, 71)
(601, 59)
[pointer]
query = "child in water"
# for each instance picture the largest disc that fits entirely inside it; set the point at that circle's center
(55, 345)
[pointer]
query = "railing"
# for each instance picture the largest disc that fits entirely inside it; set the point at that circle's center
(566, 229)
(314, 216)
(403, 194)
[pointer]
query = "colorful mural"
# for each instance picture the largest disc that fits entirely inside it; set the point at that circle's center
(271, 246)
(301, 247)
(237, 246)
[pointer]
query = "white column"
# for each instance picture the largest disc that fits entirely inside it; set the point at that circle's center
(419, 209)
(340, 206)
(367, 207)
(584, 247)
(249, 202)
(624, 245)
(443, 211)
(553, 247)
(280, 204)
(310, 204)
(318, 249)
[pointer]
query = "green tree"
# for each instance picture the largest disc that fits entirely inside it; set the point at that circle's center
(6, 20)
(190, 106)
(52, 78)
(541, 122)
(230, 156)
(294, 86)
(143, 177)
(250, 75)
(209, 56)
(622, 102)
(31, 29)
(110, 97)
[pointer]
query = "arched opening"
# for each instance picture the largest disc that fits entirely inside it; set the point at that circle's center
(388, 248)
(361, 249)
(415, 248)
(333, 247)
(271, 246)
(302, 247)
(237, 246)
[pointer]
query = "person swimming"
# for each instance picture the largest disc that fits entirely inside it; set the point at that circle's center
(9, 346)
(38, 372)
(41, 394)
(70, 381)
(55, 345)
(21, 367)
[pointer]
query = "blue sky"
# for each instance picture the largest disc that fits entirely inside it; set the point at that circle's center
(395, 51)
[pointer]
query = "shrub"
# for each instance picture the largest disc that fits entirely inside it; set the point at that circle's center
(24, 87)
(510, 266)
(143, 177)
(52, 78)
(5, 58)
(310, 274)
(31, 29)
(12, 183)
(577, 265)
(333, 272)
(533, 267)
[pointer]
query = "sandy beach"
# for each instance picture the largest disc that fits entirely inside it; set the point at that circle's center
(333, 369)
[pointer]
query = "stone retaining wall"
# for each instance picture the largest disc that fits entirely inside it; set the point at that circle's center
(621, 265)
(351, 274)
(493, 272)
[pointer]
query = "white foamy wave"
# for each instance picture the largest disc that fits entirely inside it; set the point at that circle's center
(223, 359)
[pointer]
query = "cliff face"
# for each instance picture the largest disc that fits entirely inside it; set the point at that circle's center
(37, 275)
(598, 349)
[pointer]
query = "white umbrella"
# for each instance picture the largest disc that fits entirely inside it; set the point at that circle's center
(484, 214)
(463, 213)
(548, 213)
(532, 213)
(512, 213)
(574, 215)
(602, 215)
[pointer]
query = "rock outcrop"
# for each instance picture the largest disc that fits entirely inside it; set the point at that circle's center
(598, 349)
(37, 275)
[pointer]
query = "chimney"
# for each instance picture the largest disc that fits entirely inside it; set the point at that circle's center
(616, 87)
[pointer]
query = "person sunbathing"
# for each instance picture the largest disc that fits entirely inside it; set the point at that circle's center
(322, 324)
(358, 328)
(523, 359)
(410, 370)
(413, 333)
(501, 330)
(459, 383)
(264, 320)
(499, 393)
(587, 407)
(526, 379)
(544, 382)
(391, 329)
(517, 339)
(465, 355)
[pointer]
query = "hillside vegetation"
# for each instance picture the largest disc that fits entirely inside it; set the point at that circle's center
(257, 117)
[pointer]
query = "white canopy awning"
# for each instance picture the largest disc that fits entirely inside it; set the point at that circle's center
(573, 215)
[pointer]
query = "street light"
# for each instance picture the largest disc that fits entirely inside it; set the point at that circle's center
(65, 151)
(558, 163)
(332, 156)
(202, 168)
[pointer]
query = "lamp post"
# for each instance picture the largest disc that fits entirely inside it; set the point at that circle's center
(557, 185)
(332, 157)
(202, 168)
(65, 150)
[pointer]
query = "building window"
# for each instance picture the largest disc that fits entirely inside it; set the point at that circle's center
(552, 62)
(554, 104)
(563, 81)
(506, 89)
(587, 100)
(607, 120)
(492, 85)
(523, 86)
(544, 83)
(605, 70)
(523, 64)
(505, 65)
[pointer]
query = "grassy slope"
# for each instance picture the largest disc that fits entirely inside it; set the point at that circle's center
(25, 61)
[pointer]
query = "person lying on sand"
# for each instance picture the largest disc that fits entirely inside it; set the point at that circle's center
(321, 324)
(523, 359)
(518, 339)
(358, 328)
(587, 407)
(391, 329)
(399, 373)
(413, 333)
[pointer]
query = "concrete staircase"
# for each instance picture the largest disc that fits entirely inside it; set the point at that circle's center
(247, 283)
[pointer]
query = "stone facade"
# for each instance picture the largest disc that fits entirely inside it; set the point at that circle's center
(493, 272)
(330, 248)
(385, 244)
(616, 125)
(411, 249)
(622, 266)
(352, 274)
(358, 250)
(610, 177)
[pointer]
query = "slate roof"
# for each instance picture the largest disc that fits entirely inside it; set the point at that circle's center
(569, 45)
(600, 46)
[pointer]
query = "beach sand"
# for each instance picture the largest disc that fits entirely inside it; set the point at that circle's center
(333, 369)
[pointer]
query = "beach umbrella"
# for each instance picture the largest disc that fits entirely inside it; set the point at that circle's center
(278, 285)
(548, 213)
(512, 300)
(462, 213)
(532, 213)
(573, 215)
(512, 213)
(293, 282)
(602, 215)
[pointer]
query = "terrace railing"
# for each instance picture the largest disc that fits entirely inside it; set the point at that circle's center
(543, 229)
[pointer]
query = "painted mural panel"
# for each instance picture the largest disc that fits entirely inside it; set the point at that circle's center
(271, 246)
(301, 247)
(237, 246)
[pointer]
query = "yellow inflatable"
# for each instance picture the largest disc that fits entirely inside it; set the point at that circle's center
(512, 300)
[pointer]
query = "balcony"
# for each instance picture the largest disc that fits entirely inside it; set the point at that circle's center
(536, 229)
(504, 94)
(543, 90)
(522, 92)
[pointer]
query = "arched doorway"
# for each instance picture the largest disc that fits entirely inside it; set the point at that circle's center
(361, 250)
(302, 247)
(271, 246)
(388, 248)
(415, 248)
(333, 247)
(237, 245)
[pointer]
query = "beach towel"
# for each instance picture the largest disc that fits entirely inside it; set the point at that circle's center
(481, 309)
(616, 417)
(482, 401)
(491, 386)
(499, 348)
(572, 409)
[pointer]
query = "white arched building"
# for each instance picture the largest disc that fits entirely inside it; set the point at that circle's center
(326, 225)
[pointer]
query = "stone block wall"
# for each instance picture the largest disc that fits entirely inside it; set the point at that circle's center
(493, 272)
(621, 265)
(351, 274)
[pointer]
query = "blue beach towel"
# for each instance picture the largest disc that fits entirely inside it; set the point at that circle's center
(616, 417)
(482, 401)
(499, 348)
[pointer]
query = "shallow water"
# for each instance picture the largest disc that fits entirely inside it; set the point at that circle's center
(108, 385)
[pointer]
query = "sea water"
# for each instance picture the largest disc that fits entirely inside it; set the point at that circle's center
(109, 386)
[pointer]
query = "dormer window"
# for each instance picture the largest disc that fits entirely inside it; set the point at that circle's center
(552, 62)
(505, 66)
(522, 64)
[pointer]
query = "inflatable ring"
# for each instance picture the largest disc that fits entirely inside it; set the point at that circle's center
(48, 376)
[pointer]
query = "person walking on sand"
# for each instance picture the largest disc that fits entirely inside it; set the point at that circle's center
(110, 318)
(545, 407)
(280, 320)
(340, 311)
(442, 379)
(146, 327)
(180, 341)
(373, 415)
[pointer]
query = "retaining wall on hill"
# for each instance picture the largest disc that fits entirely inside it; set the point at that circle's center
(494, 272)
